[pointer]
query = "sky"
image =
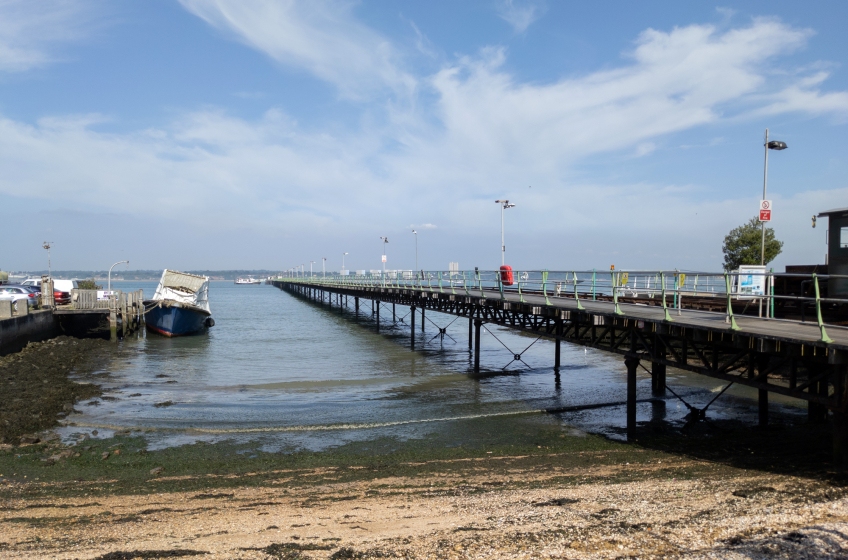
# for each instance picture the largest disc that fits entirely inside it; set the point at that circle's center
(266, 134)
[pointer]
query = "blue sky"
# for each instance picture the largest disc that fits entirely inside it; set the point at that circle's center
(264, 134)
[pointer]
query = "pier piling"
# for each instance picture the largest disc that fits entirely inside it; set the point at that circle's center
(632, 363)
(477, 324)
(412, 330)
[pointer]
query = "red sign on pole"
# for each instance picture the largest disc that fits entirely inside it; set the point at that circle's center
(765, 210)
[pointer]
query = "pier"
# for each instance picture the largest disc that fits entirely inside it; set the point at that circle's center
(653, 320)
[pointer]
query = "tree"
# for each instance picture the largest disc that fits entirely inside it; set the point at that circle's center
(743, 245)
(89, 285)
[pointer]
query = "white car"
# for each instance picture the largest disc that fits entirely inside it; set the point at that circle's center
(19, 292)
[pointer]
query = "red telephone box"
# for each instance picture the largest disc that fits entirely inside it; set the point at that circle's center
(507, 278)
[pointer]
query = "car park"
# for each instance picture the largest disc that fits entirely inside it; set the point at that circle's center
(17, 292)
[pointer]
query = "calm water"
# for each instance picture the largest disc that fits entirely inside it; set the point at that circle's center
(292, 374)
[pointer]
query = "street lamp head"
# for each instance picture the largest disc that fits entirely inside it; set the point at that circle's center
(776, 145)
(415, 232)
(814, 221)
(384, 239)
(345, 253)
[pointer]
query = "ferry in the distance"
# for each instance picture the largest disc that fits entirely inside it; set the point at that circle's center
(248, 280)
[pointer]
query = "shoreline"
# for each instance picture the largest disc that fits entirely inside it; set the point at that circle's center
(720, 489)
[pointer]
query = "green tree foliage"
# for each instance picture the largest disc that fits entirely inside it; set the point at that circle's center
(743, 245)
(89, 284)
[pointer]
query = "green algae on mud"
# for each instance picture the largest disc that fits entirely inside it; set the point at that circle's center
(36, 385)
(204, 466)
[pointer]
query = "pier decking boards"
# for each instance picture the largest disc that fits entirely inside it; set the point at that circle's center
(771, 355)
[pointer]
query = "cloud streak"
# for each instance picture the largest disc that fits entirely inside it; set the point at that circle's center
(320, 37)
(30, 31)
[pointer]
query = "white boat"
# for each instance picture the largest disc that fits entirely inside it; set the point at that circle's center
(248, 280)
(180, 305)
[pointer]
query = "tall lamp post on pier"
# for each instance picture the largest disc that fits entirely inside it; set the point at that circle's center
(773, 145)
(310, 268)
(324, 267)
(504, 205)
(416, 252)
(109, 284)
(384, 240)
(343, 256)
(47, 245)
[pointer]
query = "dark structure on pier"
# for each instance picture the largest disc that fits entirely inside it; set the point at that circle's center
(788, 358)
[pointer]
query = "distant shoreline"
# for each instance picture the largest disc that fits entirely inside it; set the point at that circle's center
(138, 275)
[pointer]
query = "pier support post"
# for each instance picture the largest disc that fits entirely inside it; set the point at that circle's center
(113, 325)
(378, 315)
(840, 412)
(558, 345)
(356, 304)
(422, 318)
(632, 363)
(412, 330)
(394, 316)
(471, 330)
(817, 412)
(762, 408)
(658, 370)
(477, 324)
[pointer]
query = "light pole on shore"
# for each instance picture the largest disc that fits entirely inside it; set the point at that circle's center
(47, 245)
(504, 205)
(416, 252)
(773, 145)
(384, 240)
(109, 284)
(343, 256)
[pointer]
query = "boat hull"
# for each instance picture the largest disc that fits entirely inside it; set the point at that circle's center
(175, 320)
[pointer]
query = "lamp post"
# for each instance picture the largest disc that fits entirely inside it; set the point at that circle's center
(343, 256)
(416, 251)
(773, 145)
(109, 284)
(310, 268)
(504, 205)
(47, 245)
(324, 267)
(384, 240)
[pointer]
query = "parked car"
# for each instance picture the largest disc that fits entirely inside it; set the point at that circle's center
(62, 291)
(17, 292)
(36, 282)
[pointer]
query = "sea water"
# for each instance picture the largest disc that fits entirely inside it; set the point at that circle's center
(292, 373)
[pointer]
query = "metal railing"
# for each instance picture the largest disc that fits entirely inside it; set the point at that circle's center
(675, 291)
(100, 299)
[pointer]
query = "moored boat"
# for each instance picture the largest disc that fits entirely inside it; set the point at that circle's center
(248, 280)
(180, 305)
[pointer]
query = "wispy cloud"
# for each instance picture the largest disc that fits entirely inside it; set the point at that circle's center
(520, 14)
(483, 131)
(321, 37)
(31, 31)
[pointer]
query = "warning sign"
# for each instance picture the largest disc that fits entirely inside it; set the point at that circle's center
(765, 210)
(384, 258)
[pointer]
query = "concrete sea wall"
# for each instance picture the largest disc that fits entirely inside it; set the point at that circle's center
(17, 331)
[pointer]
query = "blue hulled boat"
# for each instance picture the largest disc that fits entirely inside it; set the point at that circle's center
(180, 305)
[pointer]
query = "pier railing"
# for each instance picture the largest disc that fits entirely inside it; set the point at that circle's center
(798, 298)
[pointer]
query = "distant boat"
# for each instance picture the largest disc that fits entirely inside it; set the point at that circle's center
(180, 305)
(248, 280)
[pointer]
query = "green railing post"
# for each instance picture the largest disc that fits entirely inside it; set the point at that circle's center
(665, 305)
(576, 295)
(545, 286)
(520, 295)
(440, 283)
(824, 338)
(500, 286)
(593, 284)
(733, 325)
(771, 292)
